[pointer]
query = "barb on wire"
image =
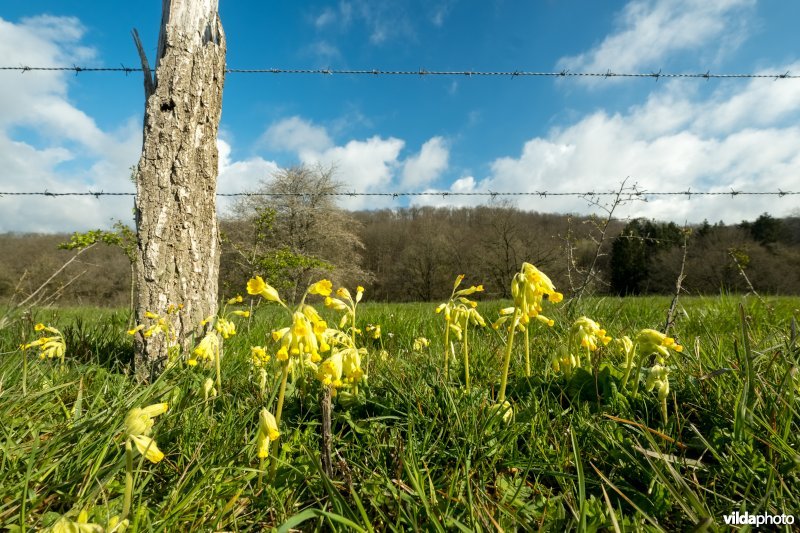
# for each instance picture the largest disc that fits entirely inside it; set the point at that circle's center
(608, 74)
(444, 194)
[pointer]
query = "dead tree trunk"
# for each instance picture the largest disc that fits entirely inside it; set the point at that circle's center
(177, 260)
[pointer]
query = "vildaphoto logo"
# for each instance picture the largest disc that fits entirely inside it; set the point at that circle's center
(741, 519)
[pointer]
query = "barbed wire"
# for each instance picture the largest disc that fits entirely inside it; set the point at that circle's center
(425, 72)
(543, 194)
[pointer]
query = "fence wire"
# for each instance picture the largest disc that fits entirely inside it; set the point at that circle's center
(444, 194)
(422, 72)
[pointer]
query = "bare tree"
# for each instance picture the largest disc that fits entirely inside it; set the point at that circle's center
(291, 230)
(176, 179)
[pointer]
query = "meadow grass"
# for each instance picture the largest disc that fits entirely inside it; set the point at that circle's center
(415, 451)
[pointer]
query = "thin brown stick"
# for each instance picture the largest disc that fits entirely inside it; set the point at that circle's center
(327, 438)
(678, 283)
(650, 430)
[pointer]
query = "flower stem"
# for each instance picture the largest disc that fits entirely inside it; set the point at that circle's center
(446, 349)
(24, 373)
(628, 367)
(501, 397)
(273, 465)
(466, 356)
(664, 409)
(126, 501)
(636, 375)
(218, 364)
(527, 354)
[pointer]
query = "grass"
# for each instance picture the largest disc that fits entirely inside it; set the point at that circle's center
(414, 452)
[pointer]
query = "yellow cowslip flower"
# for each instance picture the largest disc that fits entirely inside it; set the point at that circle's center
(528, 288)
(259, 356)
(236, 300)
(323, 287)
(80, 525)
(225, 327)
(470, 290)
(359, 293)
(207, 350)
(503, 410)
(267, 432)
(342, 292)
(564, 361)
(257, 286)
(374, 331)
(650, 341)
(330, 371)
(586, 333)
(458, 281)
(244, 314)
(657, 378)
(505, 314)
(335, 304)
(139, 424)
(115, 525)
(626, 344)
(209, 391)
(420, 343)
(51, 346)
(351, 365)
(303, 337)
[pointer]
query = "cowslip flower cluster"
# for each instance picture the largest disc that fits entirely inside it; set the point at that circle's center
(344, 301)
(528, 289)
(420, 343)
(208, 349)
(343, 367)
(300, 345)
(138, 426)
(458, 312)
(650, 341)
(50, 346)
(584, 335)
(658, 379)
(159, 324)
(267, 432)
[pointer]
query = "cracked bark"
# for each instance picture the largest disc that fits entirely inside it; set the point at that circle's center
(177, 258)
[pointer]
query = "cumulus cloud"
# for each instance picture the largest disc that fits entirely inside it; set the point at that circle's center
(239, 176)
(675, 141)
(650, 31)
(295, 134)
(47, 143)
(428, 165)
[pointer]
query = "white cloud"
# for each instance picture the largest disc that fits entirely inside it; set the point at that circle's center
(426, 166)
(370, 165)
(362, 166)
(70, 152)
(295, 134)
(239, 176)
(339, 17)
(675, 141)
(651, 30)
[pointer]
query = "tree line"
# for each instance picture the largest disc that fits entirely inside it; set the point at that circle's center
(414, 253)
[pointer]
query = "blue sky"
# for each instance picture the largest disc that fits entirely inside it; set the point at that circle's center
(63, 132)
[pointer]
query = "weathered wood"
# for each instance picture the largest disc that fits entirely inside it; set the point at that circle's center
(327, 437)
(149, 82)
(177, 258)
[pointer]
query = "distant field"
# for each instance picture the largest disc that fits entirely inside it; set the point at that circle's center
(414, 450)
